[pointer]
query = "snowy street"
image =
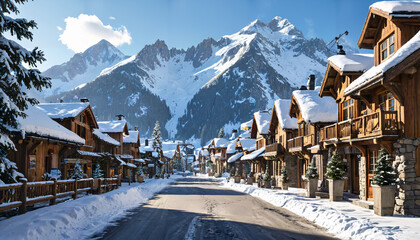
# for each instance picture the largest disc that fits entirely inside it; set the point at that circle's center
(199, 208)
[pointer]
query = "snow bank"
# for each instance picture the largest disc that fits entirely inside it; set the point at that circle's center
(343, 219)
(81, 218)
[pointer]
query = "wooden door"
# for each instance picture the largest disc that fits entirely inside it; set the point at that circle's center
(355, 174)
(372, 159)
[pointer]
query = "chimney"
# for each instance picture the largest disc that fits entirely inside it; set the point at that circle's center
(120, 116)
(303, 88)
(311, 82)
(85, 100)
(146, 142)
(136, 128)
(340, 50)
(61, 100)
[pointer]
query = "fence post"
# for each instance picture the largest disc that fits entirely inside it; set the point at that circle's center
(91, 186)
(23, 193)
(75, 189)
(54, 193)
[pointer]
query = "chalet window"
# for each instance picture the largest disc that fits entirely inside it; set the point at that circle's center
(373, 158)
(81, 131)
(387, 102)
(388, 47)
(348, 109)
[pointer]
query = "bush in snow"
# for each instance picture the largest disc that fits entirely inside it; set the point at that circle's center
(335, 167)
(284, 175)
(384, 173)
(140, 171)
(77, 171)
(8, 171)
(14, 77)
(312, 172)
(98, 173)
(221, 133)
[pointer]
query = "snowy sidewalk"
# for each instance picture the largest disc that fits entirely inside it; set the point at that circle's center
(342, 219)
(81, 218)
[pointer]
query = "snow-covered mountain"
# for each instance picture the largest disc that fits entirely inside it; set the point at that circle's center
(82, 67)
(216, 83)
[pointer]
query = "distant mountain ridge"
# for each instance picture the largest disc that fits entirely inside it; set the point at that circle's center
(195, 92)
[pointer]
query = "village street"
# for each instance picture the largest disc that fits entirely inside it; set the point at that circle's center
(197, 208)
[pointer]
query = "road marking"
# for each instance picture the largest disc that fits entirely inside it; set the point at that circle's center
(191, 229)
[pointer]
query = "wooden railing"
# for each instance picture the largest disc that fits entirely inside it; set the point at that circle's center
(374, 124)
(296, 142)
(309, 140)
(20, 195)
(274, 149)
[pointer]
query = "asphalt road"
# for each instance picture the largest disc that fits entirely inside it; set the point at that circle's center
(196, 208)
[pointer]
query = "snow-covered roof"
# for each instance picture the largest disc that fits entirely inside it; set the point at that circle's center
(377, 72)
(231, 147)
(254, 154)
(246, 125)
(63, 110)
(219, 143)
(262, 119)
(119, 160)
(246, 134)
(113, 126)
(235, 157)
(105, 137)
(90, 154)
(352, 62)
(248, 144)
(169, 153)
(38, 123)
(397, 6)
(131, 165)
(126, 156)
(132, 137)
(282, 107)
(314, 108)
(204, 152)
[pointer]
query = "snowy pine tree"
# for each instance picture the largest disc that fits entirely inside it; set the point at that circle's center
(284, 175)
(384, 173)
(8, 171)
(221, 133)
(14, 77)
(98, 173)
(335, 167)
(77, 171)
(140, 171)
(157, 140)
(312, 172)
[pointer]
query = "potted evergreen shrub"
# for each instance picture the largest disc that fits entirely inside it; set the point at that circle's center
(267, 180)
(231, 173)
(335, 175)
(237, 177)
(383, 185)
(140, 174)
(312, 176)
(284, 178)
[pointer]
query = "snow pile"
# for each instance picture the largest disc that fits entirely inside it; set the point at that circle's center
(81, 218)
(262, 120)
(105, 137)
(113, 126)
(352, 62)
(132, 137)
(282, 106)
(314, 108)
(343, 219)
(254, 154)
(376, 72)
(63, 110)
(38, 123)
(397, 6)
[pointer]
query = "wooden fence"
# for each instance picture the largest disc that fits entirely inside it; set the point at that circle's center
(20, 195)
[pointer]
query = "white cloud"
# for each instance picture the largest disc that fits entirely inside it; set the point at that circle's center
(112, 18)
(59, 28)
(86, 30)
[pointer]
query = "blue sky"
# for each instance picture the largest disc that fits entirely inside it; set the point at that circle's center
(183, 23)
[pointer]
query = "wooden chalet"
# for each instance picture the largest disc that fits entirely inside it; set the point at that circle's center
(259, 132)
(282, 128)
(341, 71)
(390, 94)
(131, 144)
(217, 149)
(203, 157)
(107, 147)
(77, 117)
(243, 146)
(312, 113)
(42, 146)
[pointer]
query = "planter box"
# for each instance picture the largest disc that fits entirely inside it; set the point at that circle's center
(336, 188)
(250, 180)
(237, 179)
(383, 200)
(267, 184)
(211, 174)
(311, 188)
(285, 186)
(140, 179)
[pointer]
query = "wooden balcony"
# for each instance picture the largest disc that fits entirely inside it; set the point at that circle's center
(295, 144)
(274, 149)
(377, 124)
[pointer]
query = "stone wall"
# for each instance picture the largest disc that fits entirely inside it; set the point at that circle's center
(362, 178)
(408, 189)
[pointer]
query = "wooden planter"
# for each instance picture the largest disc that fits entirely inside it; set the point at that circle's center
(250, 180)
(383, 200)
(211, 174)
(140, 179)
(237, 179)
(284, 186)
(336, 188)
(311, 187)
(267, 184)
